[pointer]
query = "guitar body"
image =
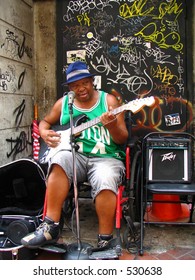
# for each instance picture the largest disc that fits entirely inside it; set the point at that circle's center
(46, 153)
(22, 194)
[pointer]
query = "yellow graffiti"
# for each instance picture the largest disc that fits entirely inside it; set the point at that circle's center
(164, 75)
(83, 19)
(151, 34)
(136, 9)
(169, 8)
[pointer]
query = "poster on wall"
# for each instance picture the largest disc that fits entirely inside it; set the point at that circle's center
(136, 48)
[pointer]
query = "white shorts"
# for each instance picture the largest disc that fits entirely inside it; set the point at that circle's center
(101, 173)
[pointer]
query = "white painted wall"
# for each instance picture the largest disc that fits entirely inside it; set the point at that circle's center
(16, 79)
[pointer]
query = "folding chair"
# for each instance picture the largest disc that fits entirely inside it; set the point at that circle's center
(167, 194)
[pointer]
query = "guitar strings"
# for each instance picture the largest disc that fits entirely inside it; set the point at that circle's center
(112, 120)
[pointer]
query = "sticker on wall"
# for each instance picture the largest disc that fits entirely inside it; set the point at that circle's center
(89, 35)
(173, 119)
(98, 82)
(73, 56)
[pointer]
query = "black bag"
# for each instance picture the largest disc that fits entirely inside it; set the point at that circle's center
(22, 194)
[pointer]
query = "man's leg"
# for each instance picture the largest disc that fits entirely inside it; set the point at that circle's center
(105, 175)
(57, 191)
(105, 204)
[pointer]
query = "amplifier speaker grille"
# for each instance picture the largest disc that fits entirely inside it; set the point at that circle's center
(168, 161)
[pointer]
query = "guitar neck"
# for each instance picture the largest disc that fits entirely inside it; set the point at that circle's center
(83, 126)
(133, 106)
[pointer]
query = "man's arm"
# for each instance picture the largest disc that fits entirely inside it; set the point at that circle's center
(115, 123)
(50, 137)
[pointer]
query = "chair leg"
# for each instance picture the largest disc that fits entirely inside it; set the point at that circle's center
(192, 208)
(141, 230)
(141, 219)
(119, 203)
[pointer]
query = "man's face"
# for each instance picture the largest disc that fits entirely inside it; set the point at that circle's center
(83, 89)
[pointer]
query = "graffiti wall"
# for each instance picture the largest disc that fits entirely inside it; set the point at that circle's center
(136, 48)
(16, 79)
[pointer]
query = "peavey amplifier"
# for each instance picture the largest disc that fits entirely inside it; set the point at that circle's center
(168, 160)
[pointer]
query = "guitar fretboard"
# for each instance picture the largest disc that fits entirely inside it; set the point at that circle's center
(134, 106)
(93, 122)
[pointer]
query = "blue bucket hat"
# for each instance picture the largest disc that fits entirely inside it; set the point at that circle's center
(76, 71)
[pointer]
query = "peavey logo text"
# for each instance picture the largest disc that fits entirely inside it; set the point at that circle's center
(168, 156)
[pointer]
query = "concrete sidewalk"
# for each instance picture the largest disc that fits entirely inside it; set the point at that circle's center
(160, 242)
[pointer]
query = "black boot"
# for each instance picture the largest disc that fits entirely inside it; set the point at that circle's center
(103, 239)
(47, 233)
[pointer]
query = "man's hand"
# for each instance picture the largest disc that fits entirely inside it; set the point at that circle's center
(108, 118)
(51, 138)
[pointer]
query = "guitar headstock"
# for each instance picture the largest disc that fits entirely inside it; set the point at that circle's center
(137, 104)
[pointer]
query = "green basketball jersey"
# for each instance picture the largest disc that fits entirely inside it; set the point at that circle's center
(95, 140)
